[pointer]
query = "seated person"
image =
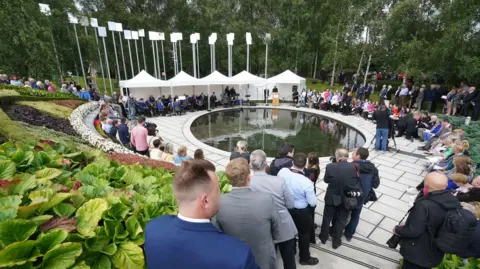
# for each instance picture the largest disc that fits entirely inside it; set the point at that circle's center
(107, 125)
(167, 154)
(456, 181)
(473, 193)
(155, 152)
(177, 107)
(473, 248)
(142, 106)
(430, 133)
(213, 101)
(181, 155)
(160, 107)
(113, 131)
(199, 102)
(411, 126)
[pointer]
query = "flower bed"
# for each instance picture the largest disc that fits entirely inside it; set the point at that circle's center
(72, 104)
(136, 159)
(61, 210)
(33, 116)
(77, 121)
(49, 108)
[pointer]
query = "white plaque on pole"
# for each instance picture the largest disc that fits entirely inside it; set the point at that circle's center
(173, 37)
(84, 21)
(102, 31)
(118, 27)
(94, 22)
(249, 38)
(210, 40)
(161, 36)
(72, 18)
(141, 33)
(111, 26)
(127, 34)
(193, 39)
(134, 35)
(45, 9)
(214, 36)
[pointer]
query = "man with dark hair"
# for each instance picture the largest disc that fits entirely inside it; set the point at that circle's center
(284, 160)
(169, 240)
(139, 138)
(341, 178)
(113, 131)
(123, 133)
(304, 200)
(382, 117)
(249, 216)
(369, 179)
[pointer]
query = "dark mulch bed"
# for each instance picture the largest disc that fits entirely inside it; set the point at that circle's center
(69, 103)
(33, 116)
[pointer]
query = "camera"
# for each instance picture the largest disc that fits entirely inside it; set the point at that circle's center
(393, 241)
(354, 194)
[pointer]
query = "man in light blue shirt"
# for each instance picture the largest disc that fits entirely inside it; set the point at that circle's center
(403, 96)
(304, 201)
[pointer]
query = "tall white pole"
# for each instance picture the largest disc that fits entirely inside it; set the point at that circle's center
(211, 58)
(80, 54)
(248, 58)
(194, 61)
(180, 49)
(266, 60)
(214, 58)
(131, 61)
(158, 61)
(116, 56)
(163, 59)
(229, 60)
(198, 62)
(101, 61)
(108, 66)
(143, 52)
(123, 55)
(154, 62)
(138, 59)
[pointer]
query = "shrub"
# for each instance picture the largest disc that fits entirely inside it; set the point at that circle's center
(123, 158)
(39, 93)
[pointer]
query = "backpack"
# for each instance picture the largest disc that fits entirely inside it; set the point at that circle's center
(456, 231)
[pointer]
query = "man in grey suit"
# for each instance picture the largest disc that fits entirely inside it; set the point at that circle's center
(249, 216)
(262, 182)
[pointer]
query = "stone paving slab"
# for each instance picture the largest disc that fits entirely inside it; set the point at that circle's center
(398, 171)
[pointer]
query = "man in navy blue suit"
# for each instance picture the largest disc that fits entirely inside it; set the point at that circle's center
(189, 240)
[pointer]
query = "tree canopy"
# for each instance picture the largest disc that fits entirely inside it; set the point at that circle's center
(439, 38)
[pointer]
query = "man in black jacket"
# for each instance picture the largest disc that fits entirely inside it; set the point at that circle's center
(285, 159)
(472, 100)
(369, 180)
(411, 129)
(382, 117)
(341, 177)
(426, 217)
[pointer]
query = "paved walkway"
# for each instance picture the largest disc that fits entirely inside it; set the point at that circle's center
(398, 171)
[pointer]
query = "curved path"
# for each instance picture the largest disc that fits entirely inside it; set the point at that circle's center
(398, 171)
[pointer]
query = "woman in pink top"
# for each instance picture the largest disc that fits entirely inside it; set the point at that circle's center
(138, 138)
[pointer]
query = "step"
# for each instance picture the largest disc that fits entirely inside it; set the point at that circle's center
(358, 253)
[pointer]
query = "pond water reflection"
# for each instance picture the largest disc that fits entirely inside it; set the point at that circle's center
(267, 129)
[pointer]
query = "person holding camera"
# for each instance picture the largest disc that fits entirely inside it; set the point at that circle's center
(420, 236)
(382, 117)
(341, 177)
(370, 180)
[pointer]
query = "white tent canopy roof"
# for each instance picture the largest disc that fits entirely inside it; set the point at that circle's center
(183, 79)
(287, 77)
(216, 78)
(142, 80)
(245, 77)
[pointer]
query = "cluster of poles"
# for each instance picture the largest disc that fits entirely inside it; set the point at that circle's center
(176, 39)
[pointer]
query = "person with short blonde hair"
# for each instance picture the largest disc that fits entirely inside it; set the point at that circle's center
(248, 215)
(181, 155)
(241, 151)
(197, 191)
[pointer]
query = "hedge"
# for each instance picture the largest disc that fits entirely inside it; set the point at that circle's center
(39, 93)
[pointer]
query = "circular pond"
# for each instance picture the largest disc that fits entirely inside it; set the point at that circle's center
(267, 129)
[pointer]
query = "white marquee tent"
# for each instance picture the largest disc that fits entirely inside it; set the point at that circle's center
(284, 82)
(182, 84)
(249, 85)
(142, 85)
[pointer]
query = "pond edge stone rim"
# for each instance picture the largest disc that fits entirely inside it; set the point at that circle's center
(368, 136)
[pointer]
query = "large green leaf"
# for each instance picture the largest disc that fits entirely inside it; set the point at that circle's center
(22, 158)
(9, 206)
(132, 177)
(19, 253)
(128, 256)
(118, 173)
(97, 243)
(50, 240)
(133, 226)
(57, 199)
(117, 211)
(41, 158)
(45, 175)
(7, 169)
(41, 196)
(15, 230)
(39, 220)
(89, 214)
(80, 265)
(62, 256)
(103, 262)
(25, 185)
(115, 230)
(64, 210)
